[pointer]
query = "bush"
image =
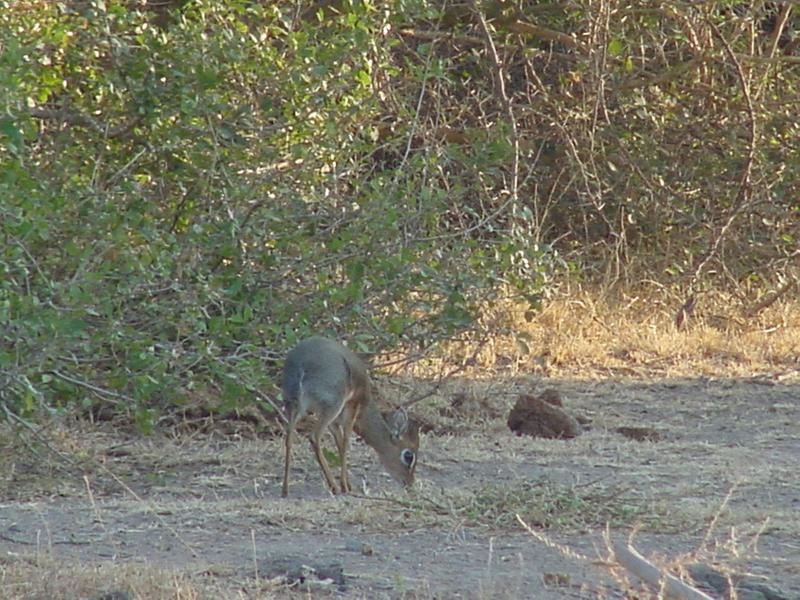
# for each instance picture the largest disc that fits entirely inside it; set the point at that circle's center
(182, 191)
(188, 188)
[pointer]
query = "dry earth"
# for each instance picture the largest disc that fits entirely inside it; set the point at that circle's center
(200, 516)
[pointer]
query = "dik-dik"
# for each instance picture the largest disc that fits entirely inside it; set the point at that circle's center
(323, 377)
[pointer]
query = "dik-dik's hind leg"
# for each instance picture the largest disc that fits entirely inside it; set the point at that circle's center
(348, 421)
(338, 437)
(287, 459)
(342, 430)
(316, 446)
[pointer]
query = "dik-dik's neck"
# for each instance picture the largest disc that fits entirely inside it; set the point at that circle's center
(372, 427)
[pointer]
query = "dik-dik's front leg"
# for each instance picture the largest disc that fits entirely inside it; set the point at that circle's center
(342, 431)
(316, 446)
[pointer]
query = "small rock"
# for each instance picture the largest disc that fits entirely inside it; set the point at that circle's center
(641, 434)
(114, 595)
(747, 587)
(299, 573)
(556, 579)
(360, 547)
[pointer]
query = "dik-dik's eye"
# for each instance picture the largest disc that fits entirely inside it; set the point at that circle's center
(408, 458)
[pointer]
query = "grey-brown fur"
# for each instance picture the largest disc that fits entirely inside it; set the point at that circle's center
(323, 377)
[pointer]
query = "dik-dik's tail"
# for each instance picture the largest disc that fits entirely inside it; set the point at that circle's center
(292, 385)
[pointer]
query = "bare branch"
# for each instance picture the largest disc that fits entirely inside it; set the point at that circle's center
(633, 562)
(74, 118)
(744, 193)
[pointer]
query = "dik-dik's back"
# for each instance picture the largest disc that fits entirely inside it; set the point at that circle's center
(319, 373)
(323, 377)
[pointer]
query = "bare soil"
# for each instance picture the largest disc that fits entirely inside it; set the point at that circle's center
(200, 516)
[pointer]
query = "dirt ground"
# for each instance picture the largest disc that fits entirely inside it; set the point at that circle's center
(200, 515)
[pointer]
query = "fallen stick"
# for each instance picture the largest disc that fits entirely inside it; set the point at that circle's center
(672, 587)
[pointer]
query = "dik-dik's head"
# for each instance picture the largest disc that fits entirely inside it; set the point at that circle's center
(402, 461)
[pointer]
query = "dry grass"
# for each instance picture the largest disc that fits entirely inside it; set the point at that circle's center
(591, 334)
(41, 578)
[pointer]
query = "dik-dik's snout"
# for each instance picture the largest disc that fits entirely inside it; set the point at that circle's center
(402, 465)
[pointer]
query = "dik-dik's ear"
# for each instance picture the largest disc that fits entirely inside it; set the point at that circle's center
(397, 421)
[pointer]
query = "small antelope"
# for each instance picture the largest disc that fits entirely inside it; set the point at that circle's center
(323, 377)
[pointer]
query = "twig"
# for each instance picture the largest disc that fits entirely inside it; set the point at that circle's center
(126, 167)
(715, 519)
(418, 110)
(264, 398)
(70, 542)
(744, 193)
(551, 35)
(14, 540)
(780, 25)
(670, 586)
(435, 36)
(500, 87)
(560, 548)
(94, 388)
(74, 118)
(443, 378)
(12, 416)
(771, 299)
(259, 394)
(464, 233)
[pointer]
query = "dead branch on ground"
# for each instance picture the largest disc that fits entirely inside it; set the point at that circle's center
(668, 585)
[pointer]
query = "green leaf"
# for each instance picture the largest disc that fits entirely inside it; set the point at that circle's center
(364, 78)
(334, 460)
(616, 47)
(12, 134)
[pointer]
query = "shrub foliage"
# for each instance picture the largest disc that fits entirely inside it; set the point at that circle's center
(187, 187)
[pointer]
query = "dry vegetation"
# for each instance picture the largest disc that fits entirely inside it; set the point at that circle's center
(88, 510)
(39, 577)
(590, 333)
